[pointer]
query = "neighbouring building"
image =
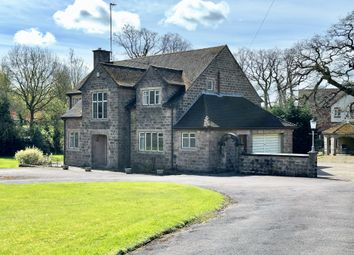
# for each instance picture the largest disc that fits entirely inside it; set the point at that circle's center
(178, 111)
(339, 139)
(334, 112)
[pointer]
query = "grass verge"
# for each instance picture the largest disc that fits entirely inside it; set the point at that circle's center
(95, 218)
(8, 163)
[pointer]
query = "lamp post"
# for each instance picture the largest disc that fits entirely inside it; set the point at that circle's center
(110, 28)
(313, 127)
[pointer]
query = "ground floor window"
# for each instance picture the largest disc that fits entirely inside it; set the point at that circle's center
(73, 139)
(188, 140)
(150, 141)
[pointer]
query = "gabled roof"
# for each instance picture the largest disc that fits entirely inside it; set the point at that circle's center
(192, 62)
(123, 75)
(342, 129)
(229, 112)
(74, 112)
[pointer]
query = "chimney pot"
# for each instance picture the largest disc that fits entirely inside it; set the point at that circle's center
(100, 55)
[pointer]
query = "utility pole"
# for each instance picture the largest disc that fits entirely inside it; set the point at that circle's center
(110, 29)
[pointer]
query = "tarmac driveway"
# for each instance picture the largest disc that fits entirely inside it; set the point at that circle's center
(270, 215)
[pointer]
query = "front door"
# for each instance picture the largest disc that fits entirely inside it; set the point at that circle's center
(99, 151)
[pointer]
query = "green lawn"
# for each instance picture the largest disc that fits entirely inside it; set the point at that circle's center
(8, 163)
(94, 218)
(57, 157)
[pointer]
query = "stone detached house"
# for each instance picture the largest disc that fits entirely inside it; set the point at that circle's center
(180, 111)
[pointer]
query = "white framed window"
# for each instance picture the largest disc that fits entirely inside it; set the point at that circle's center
(151, 96)
(150, 141)
(188, 140)
(210, 84)
(337, 112)
(99, 105)
(73, 140)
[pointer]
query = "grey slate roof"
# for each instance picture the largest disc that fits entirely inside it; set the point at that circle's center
(229, 112)
(192, 62)
(123, 75)
(74, 112)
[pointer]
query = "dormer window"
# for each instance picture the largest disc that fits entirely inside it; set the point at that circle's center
(210, 85)
(337, 112)
(151, 96)
(99, 105)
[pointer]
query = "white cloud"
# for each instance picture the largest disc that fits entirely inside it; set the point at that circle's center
(190, 14)
(93, 17)
(33, 37)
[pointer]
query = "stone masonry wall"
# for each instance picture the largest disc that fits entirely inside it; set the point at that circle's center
(154, 118)
(113, 127)
(279, 164)
(73, 157)
(206, 156)
(192, 159)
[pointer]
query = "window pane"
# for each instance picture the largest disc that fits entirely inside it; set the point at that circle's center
(148, 141)
(95, 110)
(154, 141)
(192, 142)
(76, 145)
(185, 135)
(185, 143)
(160, 142)
(100, 110)
(105, 110)
(99, 96)
(157, 97)
(104, 96)
(142, 141)
(145, 97)
(152, 97)
(95, 97)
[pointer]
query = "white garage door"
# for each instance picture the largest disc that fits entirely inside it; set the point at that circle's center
(266, 143)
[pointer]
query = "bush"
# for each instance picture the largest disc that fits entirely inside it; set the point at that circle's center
(31, 156)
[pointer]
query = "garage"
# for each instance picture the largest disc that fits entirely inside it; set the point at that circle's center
(266, 143)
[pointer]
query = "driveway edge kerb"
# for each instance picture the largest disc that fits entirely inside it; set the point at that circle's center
(197, 220)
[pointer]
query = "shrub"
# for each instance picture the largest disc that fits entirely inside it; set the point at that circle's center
(31, 156)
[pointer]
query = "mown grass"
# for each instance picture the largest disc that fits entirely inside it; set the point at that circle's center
(57, 157)
(94, 218)
(8, 163)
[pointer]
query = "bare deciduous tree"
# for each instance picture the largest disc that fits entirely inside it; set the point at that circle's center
(329, 58)
(173, 42)
(76, 67)
(32, 74)
(143, 42)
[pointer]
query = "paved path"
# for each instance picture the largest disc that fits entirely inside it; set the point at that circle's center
(271, 215)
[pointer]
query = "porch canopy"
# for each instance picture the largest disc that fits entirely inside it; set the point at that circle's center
(339, 139)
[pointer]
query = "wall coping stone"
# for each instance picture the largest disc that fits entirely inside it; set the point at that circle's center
(277, 154)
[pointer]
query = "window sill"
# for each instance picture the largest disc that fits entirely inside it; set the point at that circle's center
(73, 149)
(189, 149)
(151, 152)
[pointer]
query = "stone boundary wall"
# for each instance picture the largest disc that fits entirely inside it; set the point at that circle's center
(304, 165)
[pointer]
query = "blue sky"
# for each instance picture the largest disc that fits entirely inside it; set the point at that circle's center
(82, 24)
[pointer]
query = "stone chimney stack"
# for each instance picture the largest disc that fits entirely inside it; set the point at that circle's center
(100, 55)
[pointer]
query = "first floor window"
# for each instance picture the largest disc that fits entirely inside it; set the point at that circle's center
(188, 140)
(210, 84)
(99, 105)
(74, 140)
(337, 112)
(151, 97)
(150, 141)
